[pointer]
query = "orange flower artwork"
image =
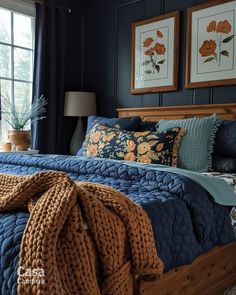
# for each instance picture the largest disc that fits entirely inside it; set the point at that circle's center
(212, 26)
(149, 51)
(223, 27)
(147, 42)
(160, 49)
(208, 48)
(154, 50)
(159, 34)
(215, 49)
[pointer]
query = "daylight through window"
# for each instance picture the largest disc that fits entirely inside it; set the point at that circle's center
(16, 60)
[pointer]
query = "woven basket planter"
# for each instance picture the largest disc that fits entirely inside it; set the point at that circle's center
(20, 139)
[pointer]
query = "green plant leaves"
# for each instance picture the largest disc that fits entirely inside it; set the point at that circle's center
(18, 118)
(146, 62)
(226, 40)
(157, 67)
(208, 59)
(225, 53)
(148, 72)
(161, 62)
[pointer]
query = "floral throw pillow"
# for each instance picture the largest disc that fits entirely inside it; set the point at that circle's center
(147, 147)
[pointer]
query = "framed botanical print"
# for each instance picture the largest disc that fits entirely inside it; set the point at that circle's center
(154, 54)
(211, 44)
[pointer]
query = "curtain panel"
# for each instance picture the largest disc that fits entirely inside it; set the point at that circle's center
(49, 75)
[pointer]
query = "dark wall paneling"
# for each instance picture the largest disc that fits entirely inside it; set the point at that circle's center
(152, 8)
(74, 48)
(109, 24)
(99, 53)
(202, 96)
(224, 94)
(73, 74)
(126, 14)
(182, 96)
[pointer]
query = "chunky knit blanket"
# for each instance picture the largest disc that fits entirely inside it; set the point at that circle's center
(81, 238)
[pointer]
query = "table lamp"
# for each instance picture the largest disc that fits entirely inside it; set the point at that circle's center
(79, 104)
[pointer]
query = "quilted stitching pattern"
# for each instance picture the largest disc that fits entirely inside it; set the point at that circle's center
(185, 222)
(11, 232)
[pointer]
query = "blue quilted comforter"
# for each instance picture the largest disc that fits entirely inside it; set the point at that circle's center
(185, 221)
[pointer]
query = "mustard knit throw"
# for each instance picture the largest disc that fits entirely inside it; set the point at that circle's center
(81, 238)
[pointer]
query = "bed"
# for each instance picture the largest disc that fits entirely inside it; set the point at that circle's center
(205, 266)
(212, 272)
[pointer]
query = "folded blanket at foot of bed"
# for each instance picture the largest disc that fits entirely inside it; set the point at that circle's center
(59, 255)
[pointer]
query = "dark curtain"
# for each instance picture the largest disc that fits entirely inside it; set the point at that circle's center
(49, 75)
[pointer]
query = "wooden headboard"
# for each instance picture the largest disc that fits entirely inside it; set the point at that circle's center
(224, 111)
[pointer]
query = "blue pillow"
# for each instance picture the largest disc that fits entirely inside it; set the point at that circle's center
(225, 142)
(148, 126)
(128, 123)
(224, 165)
(196, 148)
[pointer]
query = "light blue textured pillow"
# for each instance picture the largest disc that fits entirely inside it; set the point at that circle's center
(195, 152)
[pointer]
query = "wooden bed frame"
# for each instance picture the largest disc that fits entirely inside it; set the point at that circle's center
(210, 273)
(224, 111)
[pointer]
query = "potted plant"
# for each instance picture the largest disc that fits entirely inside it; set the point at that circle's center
(18, 119)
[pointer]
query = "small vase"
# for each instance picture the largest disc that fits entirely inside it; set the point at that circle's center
(20, 139)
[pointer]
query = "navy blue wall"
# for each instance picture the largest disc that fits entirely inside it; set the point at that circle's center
(74, 70)
(105, 56)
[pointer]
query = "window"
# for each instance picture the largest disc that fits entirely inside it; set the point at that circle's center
(16, 54)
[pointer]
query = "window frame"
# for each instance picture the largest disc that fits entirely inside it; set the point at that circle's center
(20, 6)
(27, 9)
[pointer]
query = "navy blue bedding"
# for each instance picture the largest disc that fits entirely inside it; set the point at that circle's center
(185, 221)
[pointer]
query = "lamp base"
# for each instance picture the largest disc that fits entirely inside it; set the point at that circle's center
(77, 138)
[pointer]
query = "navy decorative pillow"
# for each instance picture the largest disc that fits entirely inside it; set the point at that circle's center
(128, 123)
(148, 126)
(225, 141)
(147, 147)
(225, 165)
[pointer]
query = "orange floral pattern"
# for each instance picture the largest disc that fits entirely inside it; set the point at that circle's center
(145, 147)
(92, 150)
(212, 26)
(150, 51)
(208, 48)
(96, 136)
(213, 48)
(153, 51)
(147, 42)
(129, 157)
(159, 34)
(130, 145)
(145, 159)
(160, 49)
(223, 27)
